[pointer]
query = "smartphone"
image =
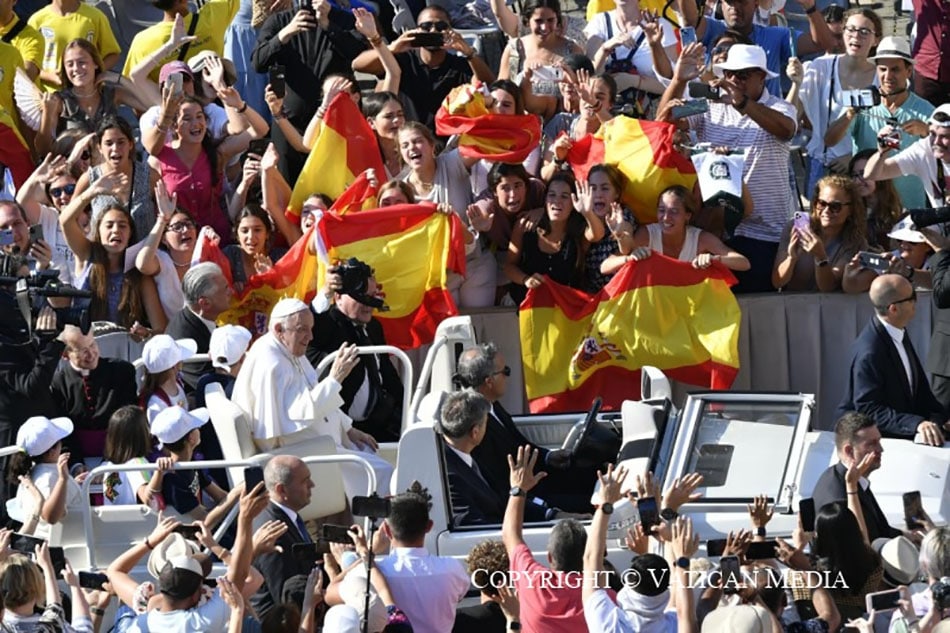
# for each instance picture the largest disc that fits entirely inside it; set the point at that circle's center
(277, 78)
(547, 73)
(801, 221)
(700, 90)
(253, 475)
(309, 554)
(687, 35)
(92, 580)
(306, 5)
(335, 534)
(761, 550)
(6, 237)
(258, 146)
(649, 513)
(913, 508)
(883, 600)
(695, 106)
(715, 547)
(190, 532)
(36, 233)
(873, 261)
(26, 544)
(806, 512)
(432, 39)
(175, 81)
(374, 507)
(731, 573)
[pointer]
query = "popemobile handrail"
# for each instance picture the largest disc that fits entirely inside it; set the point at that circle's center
(217, 463)
(382, 349)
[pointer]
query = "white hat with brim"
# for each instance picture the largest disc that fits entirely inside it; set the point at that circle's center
(162, 352)
(227, 346)
(906, 231)
(893, 47)
(39, 434)
(944, 110)
(742, 618)
(173, 546)
(900, 559)
(744, 57)
(173, 423)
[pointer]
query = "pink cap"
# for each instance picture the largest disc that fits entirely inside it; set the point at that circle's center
(171, 68)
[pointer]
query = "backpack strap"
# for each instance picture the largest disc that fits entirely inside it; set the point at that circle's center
(191, 31)
(16, 30)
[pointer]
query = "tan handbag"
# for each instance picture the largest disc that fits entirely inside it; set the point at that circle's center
(262, 9)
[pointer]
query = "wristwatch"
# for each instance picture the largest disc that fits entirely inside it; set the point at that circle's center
(683, 563)
(516, 491)
(760, 531)
(668, 514)
(607, 508)
(514, 626)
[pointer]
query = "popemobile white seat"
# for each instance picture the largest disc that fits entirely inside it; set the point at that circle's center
(234, 434)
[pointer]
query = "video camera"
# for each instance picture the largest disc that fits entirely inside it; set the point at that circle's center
(354, 276)
(940, 592)
(928, 217)
(43, 283)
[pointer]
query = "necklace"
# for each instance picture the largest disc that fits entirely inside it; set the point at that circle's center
(86, 95)
(425, 187)
(185, 265)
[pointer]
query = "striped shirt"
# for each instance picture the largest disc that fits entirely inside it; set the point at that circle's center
(766, 162)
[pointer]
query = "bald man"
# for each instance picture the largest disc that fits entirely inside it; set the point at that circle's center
(887, 381)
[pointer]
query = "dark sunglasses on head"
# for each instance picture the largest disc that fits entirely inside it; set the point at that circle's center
(438, 25)
(834, 206)
(67, 189)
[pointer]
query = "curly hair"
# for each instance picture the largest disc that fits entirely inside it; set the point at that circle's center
(486, 561)
(855, 227)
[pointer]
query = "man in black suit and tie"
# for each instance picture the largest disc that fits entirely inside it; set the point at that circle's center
(289, 486)
(372, 393)
(938, 358)
(464, 417)
(856, 435)
(207, 294)
(887, 381)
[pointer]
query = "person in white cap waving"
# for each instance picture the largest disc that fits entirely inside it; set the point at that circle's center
(162, 387)
(287, 402)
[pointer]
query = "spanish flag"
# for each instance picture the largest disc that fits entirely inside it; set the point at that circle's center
(344, 148)
(14, 151)
(293, 275)
(504, 138)
(656, 6)
(411, 247)
(643, 151)
(658, 311)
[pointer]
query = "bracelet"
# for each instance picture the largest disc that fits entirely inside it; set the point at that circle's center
(374, 41)
(741, 106)
(148, 545)
(470, 55)
(811, 10)
(821, 263)
(853, 493)
(242, 109)
(97, 611)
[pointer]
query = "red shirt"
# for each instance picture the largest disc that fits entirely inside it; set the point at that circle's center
(551, 601)
(932, 45)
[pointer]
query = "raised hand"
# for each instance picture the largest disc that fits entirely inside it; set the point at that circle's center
(637, 540)
(649, 22)
(365, 23)
(336, 86)
(760, 512)
(857, 470)
(691, 62)
(302, 21)
(480, 218)
(346, 359)
(50, 168)
(684, 542)
(611, 484)
(584, 198)
(179, 36)
(521, 468)
(265, 538)
(165, 204)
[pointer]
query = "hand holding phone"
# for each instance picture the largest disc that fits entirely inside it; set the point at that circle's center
(649, 513)
(801, 221)
(253, 475)
(336, 534)
(913, 510)
(278, 80)
(688, 35)
(806, 513)
(873, 261)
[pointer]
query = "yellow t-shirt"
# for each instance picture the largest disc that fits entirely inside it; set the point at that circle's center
(215, 18)
(10, 60)
(57, 31)
(28, 41)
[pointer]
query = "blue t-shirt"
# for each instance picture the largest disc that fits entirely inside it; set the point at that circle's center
(773, 39)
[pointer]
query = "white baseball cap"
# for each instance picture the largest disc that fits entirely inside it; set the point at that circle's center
(228, 344)
(906, 231)
(743, 56)
(162, 352)
(39, 434)
(945, 111)
(173, 423)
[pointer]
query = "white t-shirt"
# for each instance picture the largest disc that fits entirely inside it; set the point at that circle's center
(44, 477)
(156, 405)
(642, 58)
(64, 260)
(166, 279)
(451, 183)
(821, 100)
(120, 487)
(213, 615)
(918, 160)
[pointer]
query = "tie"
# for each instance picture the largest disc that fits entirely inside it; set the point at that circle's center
(478, 472)
(911, 361)
(304, 534)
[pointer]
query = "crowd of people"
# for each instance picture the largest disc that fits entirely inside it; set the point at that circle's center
(113, 176)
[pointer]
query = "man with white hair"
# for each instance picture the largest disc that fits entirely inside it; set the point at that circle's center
(287, 402)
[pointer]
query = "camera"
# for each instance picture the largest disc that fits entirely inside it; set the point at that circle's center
(923, 218)
(27, 288)
(940, 591)
(860, 98)
(354, 276)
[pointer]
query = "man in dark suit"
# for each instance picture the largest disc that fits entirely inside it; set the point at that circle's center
(463, 420)
(856, 435)
(938, 358)
(483, 369)
(207, 294)
(88, 390)
(289, 485)
(372, 393)
(887, 381)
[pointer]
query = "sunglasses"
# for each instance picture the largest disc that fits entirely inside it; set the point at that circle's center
(439, 25)
(862, 31)
(834, 206)
(181, 227)
(912, 297)
(506, 370)
(741, 75)
(67, 189)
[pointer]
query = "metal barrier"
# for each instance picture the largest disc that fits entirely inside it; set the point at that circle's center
(231, 516)
(407, 373)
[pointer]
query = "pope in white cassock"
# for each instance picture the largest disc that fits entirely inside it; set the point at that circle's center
(287, 402)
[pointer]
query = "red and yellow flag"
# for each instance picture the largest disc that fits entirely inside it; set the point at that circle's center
(505, 138)
(659, 312)
(599, 6)
(411, 248)
(208, 249)
(14, 151)
(345, 147)
(293, 275)
(643, 151)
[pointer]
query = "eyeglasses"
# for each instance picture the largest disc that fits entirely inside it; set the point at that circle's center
(181, 227)
(912, 297)
(67, 189)
(506, 370)
(438, 25)
(834, 206)
(741, 75)
(862, 31)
